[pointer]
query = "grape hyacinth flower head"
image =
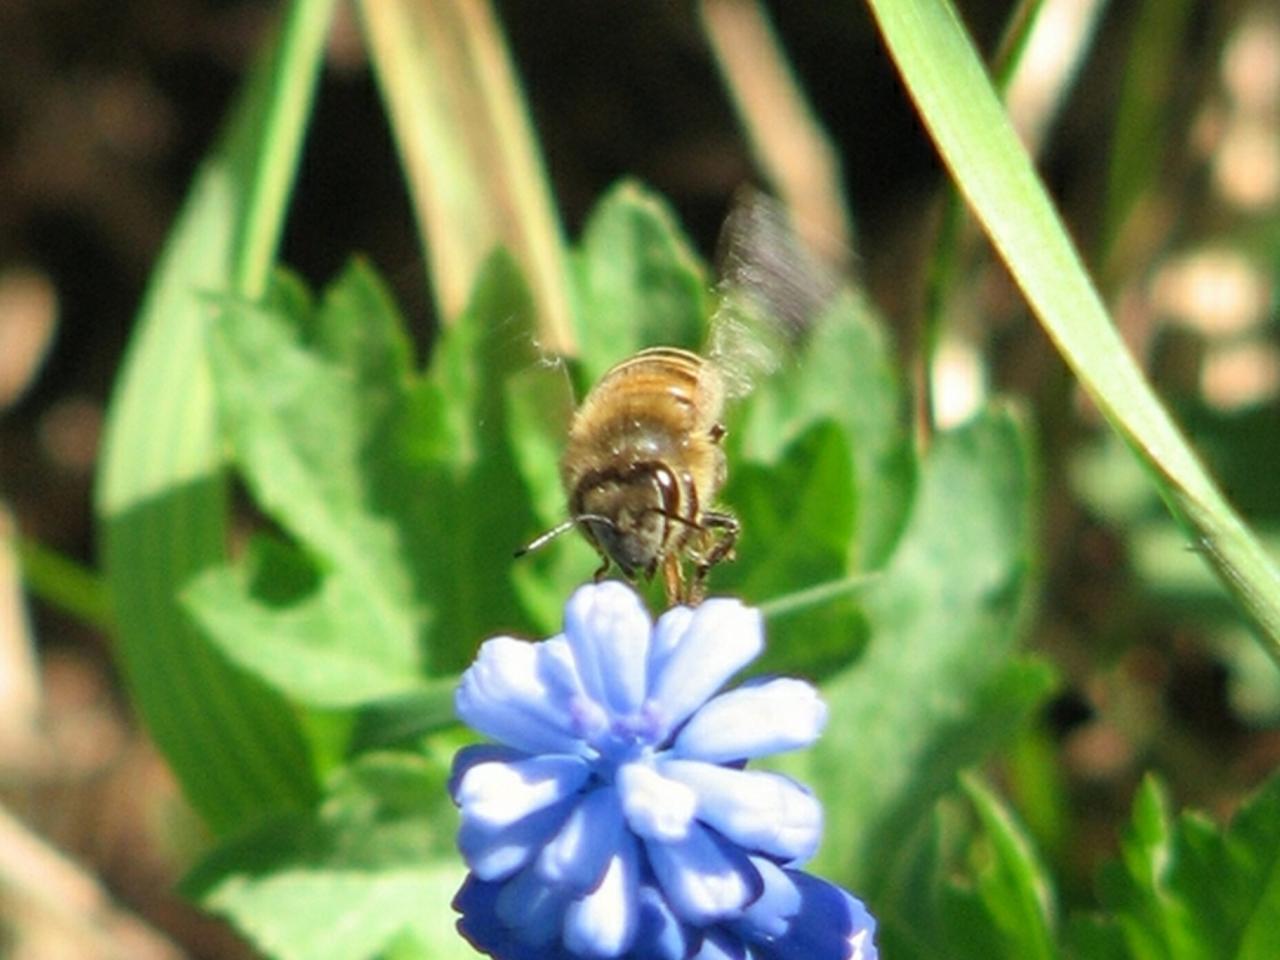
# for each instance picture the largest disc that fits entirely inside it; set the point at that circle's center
(613, 817)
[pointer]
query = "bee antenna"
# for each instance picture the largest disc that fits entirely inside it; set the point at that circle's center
(543, 539)
(676, 518)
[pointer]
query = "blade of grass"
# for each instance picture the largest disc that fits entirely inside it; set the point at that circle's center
(945, 263)
(786, 136)
(61, 582)
(161, 494)
(816, 596)
(1142, 124)
(946, 79)
(468, 150)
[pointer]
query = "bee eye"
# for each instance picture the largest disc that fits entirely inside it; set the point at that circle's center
(669, 489)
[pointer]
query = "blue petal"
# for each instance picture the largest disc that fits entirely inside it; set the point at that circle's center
(531, 910)
(478, 753)
(479, 923)
(754, 721)
(603, 923)
(496, 852)
(655, 806)
(704, 878)
(722, 945)
(497, 794)
(506, 695)
(577, 856)
(770, 916)
(667, 634)
(608, 629)
(659, 935)
(759, 811)
(719, 639)
(829, 925)
(480, 926)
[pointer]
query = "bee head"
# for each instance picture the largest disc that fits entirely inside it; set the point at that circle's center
(627, 514)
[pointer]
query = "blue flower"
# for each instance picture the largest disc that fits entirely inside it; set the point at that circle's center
(614, 816)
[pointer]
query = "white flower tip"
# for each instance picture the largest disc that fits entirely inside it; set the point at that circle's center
(736, 620)
(807, 715)
(611, 598)
(861, 946)
(602, 924)
(655, 806)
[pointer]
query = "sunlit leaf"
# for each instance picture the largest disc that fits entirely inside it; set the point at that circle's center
(941, 683)
(371, 865)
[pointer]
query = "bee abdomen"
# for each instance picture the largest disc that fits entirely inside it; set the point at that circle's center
(667, 370)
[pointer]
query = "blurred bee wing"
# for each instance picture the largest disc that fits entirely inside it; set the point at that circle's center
(770, 289)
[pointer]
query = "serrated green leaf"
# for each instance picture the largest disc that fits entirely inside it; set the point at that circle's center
(639, 282)
(401, 490)
(306, 400)
(797, 521)
(349, 880)
(467, 506)
(1189, 890)
(940, 684)
(326, 649)
(846, 373)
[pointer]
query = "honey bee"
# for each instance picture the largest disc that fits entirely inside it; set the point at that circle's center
(644, 462)
(644, 465)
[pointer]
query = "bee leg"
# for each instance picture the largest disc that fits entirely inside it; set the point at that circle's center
(728, 527)
(601, 570)
(673, 579)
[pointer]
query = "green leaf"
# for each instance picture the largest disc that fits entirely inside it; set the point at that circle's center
(797, 521)
(400, 490)
(327, 649)
(400, 721)
(945, 77)
(1187, 889)
(1009, 910)
(371, 866)
(845, 372)
(161, 494)
(539, 406)
(305, 399)
(639, 282)
(457, 482)
(940, 684)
